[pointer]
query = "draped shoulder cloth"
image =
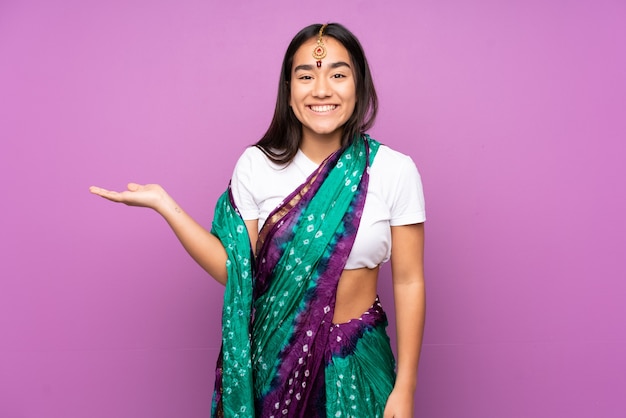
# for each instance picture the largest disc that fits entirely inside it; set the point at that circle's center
(281, 354)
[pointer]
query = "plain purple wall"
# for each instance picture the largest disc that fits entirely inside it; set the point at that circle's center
(513, 110)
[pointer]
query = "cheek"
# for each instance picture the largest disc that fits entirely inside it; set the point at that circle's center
(293, 97)
(352, 104)
(350, 95)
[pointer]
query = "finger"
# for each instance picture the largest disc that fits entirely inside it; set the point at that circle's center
(133, 187)
(97, 190)
(107, 194)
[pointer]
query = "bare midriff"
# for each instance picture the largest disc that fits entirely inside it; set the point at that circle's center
(356, 292)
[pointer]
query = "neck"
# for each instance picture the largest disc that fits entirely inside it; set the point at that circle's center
(318, 147)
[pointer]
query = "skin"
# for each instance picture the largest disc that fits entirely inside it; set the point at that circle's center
(322, 99)
(314, 90)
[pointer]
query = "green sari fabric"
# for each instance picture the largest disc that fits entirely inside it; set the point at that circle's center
(279, 355)
(361, 370)
(233, 395)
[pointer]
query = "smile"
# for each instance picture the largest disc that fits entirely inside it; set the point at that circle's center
(322, 109)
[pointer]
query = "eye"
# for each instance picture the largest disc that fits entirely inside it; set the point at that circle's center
(338, 76)
(305, 77)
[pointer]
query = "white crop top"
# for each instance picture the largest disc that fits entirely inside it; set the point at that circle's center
(394, 197)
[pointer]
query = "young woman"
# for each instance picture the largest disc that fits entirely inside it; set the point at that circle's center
(313, 210)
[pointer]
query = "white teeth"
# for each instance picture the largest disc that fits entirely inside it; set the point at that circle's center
(325, 108)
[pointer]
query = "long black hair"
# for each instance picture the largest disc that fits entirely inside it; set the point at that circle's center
(282, 139)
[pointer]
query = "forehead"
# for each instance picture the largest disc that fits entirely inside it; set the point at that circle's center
(335, 52)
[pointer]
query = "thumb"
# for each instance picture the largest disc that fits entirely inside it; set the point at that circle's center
(133, 187)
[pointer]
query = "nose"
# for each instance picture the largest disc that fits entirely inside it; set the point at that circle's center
(321, 87)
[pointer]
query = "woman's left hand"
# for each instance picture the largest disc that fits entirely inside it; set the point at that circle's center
(399, 404)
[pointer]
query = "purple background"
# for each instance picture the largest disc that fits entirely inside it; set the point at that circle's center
(514, 112)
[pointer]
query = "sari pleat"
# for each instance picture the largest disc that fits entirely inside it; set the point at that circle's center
(360, 367)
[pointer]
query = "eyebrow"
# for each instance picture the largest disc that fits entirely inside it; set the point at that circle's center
(309, 67)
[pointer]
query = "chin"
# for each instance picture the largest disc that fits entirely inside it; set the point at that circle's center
(326, 131)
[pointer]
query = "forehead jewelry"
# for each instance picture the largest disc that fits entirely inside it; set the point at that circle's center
(319, 52)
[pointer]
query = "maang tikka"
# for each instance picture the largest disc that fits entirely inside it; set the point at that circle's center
(319, 52)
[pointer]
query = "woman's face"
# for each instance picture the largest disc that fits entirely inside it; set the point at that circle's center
(322, 98)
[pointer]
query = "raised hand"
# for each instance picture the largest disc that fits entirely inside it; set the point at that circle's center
(205, 248)
(149, 195)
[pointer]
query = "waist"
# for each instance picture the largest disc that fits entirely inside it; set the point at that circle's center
(356, 291)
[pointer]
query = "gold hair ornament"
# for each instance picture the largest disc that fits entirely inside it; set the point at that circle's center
(319, 52)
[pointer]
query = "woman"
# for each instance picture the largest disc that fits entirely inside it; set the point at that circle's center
(312, 211)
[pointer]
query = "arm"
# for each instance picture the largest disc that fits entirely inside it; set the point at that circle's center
(203, 246)
(407, 267)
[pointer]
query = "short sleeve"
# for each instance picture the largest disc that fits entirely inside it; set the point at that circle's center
(408, 203)
(242, 185)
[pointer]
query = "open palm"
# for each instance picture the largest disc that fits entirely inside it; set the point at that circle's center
(148, 195)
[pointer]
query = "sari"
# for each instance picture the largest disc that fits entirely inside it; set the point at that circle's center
(281, 354)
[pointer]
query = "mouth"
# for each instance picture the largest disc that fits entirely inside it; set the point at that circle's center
(323, 108)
